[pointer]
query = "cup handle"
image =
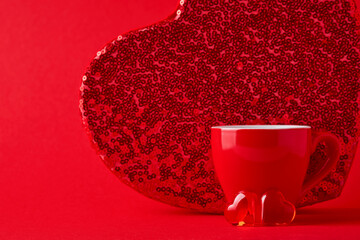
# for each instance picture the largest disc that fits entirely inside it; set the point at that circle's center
(333, 153)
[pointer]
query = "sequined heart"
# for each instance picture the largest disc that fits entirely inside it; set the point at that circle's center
(276, 210)
(150, 96)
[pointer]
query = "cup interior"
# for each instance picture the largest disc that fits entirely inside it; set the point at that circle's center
(263, 127)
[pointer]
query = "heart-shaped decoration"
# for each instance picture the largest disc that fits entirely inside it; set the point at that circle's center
(242, 210)
(150, 96)
(276, 210)
(248, 209)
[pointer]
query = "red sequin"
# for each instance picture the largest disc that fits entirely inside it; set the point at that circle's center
(150, 96)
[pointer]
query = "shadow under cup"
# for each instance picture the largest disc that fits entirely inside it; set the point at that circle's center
(259, 158)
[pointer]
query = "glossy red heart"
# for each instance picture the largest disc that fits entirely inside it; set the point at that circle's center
(150, 96)
(242, 210)
(276, 210)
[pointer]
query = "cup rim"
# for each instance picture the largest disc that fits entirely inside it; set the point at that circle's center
(260, 127)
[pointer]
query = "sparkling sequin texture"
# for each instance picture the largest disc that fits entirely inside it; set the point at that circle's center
(150, 96)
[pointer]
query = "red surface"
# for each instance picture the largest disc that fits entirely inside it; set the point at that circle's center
(52, 184)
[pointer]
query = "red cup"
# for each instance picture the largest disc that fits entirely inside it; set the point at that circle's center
(257, 158)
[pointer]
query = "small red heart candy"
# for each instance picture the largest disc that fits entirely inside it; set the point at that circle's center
(276, 210)
(241, 211)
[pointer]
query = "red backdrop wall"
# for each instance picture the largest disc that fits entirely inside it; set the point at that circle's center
(52, 185)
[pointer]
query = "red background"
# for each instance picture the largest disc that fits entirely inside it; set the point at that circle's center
(52, 185)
